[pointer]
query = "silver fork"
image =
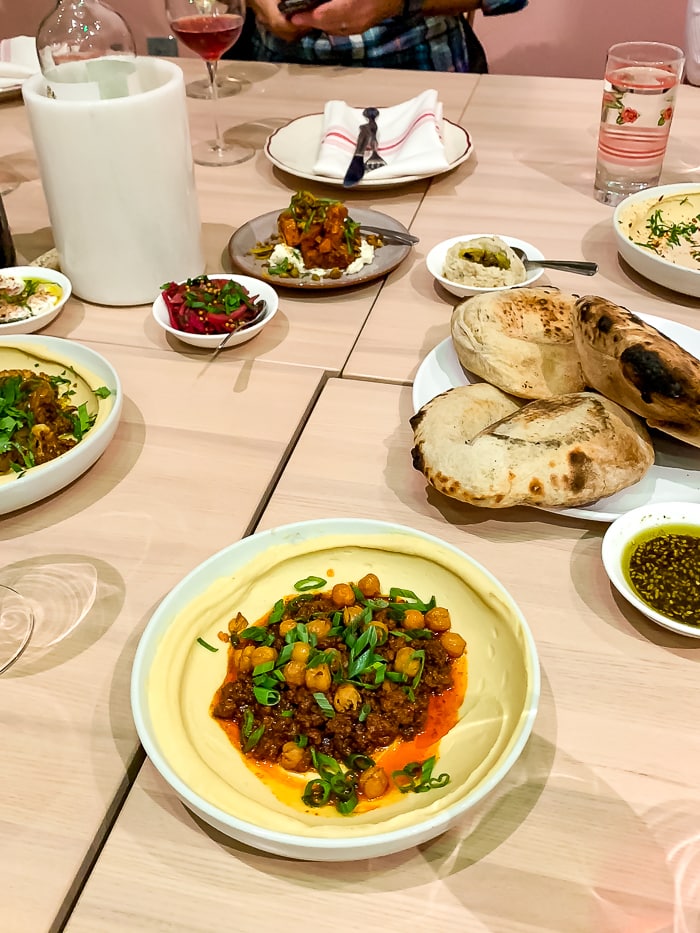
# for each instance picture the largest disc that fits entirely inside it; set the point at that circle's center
(373, 160)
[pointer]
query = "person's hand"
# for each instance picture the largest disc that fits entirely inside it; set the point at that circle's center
(347, 17)
(266, 12)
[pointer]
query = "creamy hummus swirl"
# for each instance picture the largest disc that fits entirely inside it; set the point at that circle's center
(668, 226)
(184, 676)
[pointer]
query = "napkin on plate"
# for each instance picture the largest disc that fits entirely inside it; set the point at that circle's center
(18, 61)
(409, 137)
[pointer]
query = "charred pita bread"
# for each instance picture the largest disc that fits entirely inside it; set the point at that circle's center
(561, 452)
(520, 340)
(635, 365)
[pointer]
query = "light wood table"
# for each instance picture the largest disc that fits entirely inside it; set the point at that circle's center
(197, 449)
(593, 831)
(531, 177)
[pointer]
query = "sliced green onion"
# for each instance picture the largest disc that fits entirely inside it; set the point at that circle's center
(253, 738)
(205, 644)
(309, 583)
(287, 713)
(316, 793)
(259, 633)
(302, 741)
(364, 712)
(266, 696)
(359, 762)
(277, 612)
(325, 704)
(418, 777)
(263, 668)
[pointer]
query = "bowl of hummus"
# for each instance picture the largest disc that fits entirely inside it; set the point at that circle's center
(420, 623)
(657, 232)
(478, 263)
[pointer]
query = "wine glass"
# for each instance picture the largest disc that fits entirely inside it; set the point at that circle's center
(16, 625)
(209, 28)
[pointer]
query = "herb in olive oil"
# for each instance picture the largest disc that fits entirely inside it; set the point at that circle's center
(662, 565)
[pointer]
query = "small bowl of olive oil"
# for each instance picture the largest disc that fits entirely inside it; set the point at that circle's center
(652, 557)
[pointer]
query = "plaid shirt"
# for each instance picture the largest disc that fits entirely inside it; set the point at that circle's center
(424, 43)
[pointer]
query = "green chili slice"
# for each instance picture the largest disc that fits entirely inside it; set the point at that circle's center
(309, 583)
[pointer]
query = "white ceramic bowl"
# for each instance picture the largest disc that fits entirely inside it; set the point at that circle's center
(34, 322)
(643, 260)
(435, 261)
(624, 530)
(256, 288)
(495, 718)
(56, 356)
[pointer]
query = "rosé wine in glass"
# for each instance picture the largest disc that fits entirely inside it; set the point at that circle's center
(210, 28)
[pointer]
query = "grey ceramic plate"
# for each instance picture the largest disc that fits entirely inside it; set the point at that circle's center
(261, 228)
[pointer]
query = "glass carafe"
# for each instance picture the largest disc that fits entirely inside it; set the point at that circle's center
(87, 51)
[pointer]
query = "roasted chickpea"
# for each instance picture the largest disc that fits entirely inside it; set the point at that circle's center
(369, 585)
(412, 619)
(453, 644)
(287, 625)
(318, 678)
(346, 698)
(294, 758)
(262, 655)
(301, 651)
(295, 673)
(318, 627)
(438, 619)
(245, 660)
(342, 595)
(374, 782)
(350, 613)
(238, 624)
(405, 663)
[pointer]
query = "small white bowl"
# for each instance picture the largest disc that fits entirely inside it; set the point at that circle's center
(256, 289)
(34, 322)
(643, 260)
(435, 261)
(624, 530)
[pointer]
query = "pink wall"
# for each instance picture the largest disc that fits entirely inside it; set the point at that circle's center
(549, 37)
(569, 38)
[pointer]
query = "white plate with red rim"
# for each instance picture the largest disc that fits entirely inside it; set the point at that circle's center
(294, 149)
(675, 474)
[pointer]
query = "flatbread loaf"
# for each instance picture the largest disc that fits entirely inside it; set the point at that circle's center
(634, 364)
(561, 452)
(520, 340)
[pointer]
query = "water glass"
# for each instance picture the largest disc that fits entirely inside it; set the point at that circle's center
(639, 94)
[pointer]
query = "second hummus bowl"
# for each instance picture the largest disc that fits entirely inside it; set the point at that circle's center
(175, 677)
(642, 225)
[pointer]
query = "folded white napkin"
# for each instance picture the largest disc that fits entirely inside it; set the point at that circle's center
(18, 61)
(409, 137)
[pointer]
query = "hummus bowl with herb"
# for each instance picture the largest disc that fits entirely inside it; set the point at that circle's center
(184, 656)
(658, 234)
(81, 395)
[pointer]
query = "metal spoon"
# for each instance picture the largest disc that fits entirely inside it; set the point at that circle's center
(261, 313)
(582, 268)
(395, 236)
